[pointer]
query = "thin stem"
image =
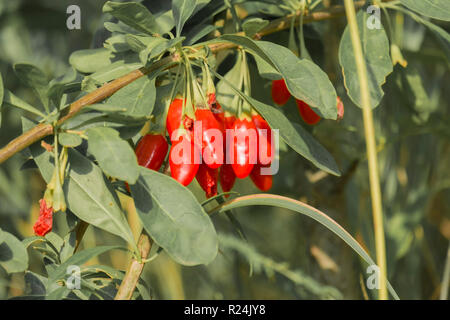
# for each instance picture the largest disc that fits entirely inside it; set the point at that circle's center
(369, 132)
(446, 276)
(134, 271)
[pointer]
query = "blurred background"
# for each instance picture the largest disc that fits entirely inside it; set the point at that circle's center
(286, 256)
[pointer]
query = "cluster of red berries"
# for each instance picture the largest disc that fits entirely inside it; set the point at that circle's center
(152, 148)
(281, 95)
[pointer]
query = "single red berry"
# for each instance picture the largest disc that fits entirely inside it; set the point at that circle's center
(174, 115)
(229, 120)
(340, 108)
(227, 177)
(262, 182)
(151, 151)
(245, 146)
(280, 92)
(44, 223)
(308, 114)
(264, 139)
(212, 131)
(184, 159)
(207, 178)
(175, 118)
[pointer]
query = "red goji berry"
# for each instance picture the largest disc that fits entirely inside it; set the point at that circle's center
(44, 223)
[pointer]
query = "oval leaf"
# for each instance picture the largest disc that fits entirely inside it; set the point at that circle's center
(69, 140)
(114, 155)
(92, 199)
(375, 47)
(13, 255)
(138, 98)
(174, 219)
(132, 14)
(90, 60)
(436, 9)
(305, 80)
(182, 10)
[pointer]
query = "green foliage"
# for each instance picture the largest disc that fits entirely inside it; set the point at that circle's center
(182, 10)
(132, 14)
(305, 80)
(437, 9)
(13, 255)
(412, 139)
(283, 202)
(113, 154)
(181, 227)
(375, 47)
(137, 99)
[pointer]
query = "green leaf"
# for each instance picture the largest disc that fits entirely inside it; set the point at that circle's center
(293, 134)
(110, 72)
(182, 10)
(225, 93)
(198, 32)
(117, 43)
(68, 82)
(441, 35)
(164, 46)
(10, 99)
(253, 26)
(436, 9)
(91, 60)
(174, 219)
(132, 14)
(138, 97)
(266, 70)
(297, 206)
(13, 254)
(33, 77)
(297, 138)
(33, 239)
(88, 194)
(375, 47)
(114, 155)
(165, 22)
(78, 259)
(304, 79)
(92, 199)
(70, 140)
(35, 284)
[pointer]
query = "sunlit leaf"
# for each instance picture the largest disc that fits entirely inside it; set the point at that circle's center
(181, 227)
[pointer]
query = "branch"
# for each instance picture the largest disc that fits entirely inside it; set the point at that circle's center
(134, 271)
(369, 133)
(42, 130)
